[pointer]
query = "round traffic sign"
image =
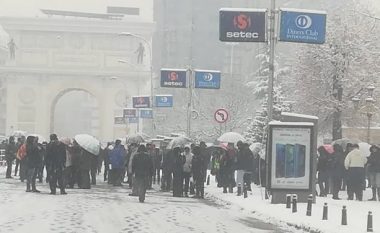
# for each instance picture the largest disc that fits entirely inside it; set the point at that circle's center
(221, 115)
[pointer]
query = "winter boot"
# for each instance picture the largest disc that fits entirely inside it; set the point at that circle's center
(230, 189)
(224, 189)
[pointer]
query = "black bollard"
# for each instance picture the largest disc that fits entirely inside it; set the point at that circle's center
(309, 205)
(344, 215)
(239, 190)
(288, 200)
(294, 204)
(369, 222)
(245, 191)
(325, 212)
(192, 191)
(208, 180)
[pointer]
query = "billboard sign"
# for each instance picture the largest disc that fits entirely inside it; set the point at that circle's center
(302, 26)
(141, 101)
(242, 25)
(207, 79)
(164, 101)
(129, 112)
(133, 120)
(146, 113)
(119, 121)
(173, 78)
(290, 156)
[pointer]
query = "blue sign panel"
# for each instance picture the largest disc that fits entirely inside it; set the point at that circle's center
(133, 120)
(129, 112)
(146, 113)
(141, 101)
(207, 79)
(173, 78)
(242, 25)
(303, 27)
(164, 101)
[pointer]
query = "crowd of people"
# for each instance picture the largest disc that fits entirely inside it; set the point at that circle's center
(347, 169)
(64, 164)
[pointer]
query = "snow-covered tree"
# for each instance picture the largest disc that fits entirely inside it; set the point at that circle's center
(256, 130)
(326, 77)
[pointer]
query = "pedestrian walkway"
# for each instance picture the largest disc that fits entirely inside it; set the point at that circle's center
(105, 208)
(257, 207)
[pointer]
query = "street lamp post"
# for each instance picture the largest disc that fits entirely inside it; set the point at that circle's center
(150, 69)
(368, 109)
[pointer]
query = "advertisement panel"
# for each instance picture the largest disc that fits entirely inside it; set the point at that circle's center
(129, 112)
(290, 157)
(133, 120)
(164, 101)
(242, 25)
(141, 101)
(146, 113)
(119, 121)
(173, 78)
(302, 26)
(207, 79)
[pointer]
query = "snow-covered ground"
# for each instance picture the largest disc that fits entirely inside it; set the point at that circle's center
(260, 208)
(108, 209)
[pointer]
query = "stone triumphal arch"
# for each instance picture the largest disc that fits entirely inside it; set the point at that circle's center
(58, 54)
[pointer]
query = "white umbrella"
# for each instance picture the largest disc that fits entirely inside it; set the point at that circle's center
(138, 138)
(231, 137)
(364, 148)
(19, 133)
(88, 142)
(178, 142)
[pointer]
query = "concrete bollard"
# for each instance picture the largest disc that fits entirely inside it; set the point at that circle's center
(309, 205)
(288, 201)
(369, 222)
(325, 212)
(344, 216)
(239, 190)
(208, 180)
(294, 203)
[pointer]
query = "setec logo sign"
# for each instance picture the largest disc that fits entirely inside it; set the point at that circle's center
(242, 25)
(141, 101)
(302, 26)
(207, 79)
(173, 78)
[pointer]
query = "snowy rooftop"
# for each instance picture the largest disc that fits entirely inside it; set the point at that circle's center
(299, 115)
(280, 123)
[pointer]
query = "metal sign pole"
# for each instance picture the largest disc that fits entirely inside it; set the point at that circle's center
(272, 40)
(188, 130)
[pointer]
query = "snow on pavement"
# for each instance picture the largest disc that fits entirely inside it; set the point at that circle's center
(109, 209)
(260, 208)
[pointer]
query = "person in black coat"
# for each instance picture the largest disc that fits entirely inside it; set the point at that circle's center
(10, 155)
(33, 161)
(167, 170)
(374, 171)
(142, 169)
(323, 171)
(178, 162)
(55, 163)
(198, 171)
(338, 170)
(84, 169)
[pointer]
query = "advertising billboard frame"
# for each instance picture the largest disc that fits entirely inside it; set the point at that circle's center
(272, 161)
